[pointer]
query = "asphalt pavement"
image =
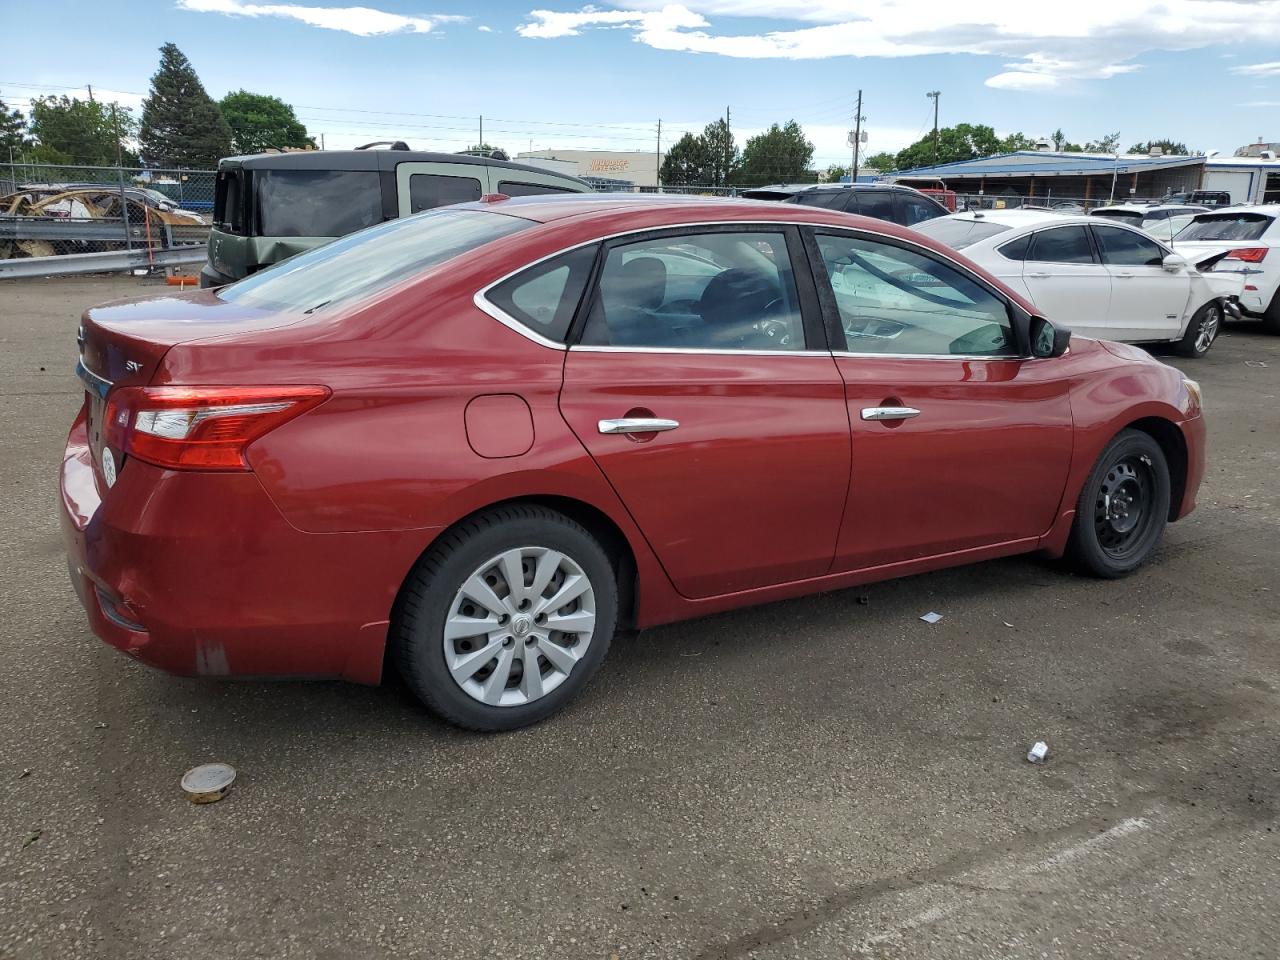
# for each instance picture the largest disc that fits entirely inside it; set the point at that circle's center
(822, 778)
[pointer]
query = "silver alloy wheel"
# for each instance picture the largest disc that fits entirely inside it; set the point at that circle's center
(518, 626)
(1208, 328)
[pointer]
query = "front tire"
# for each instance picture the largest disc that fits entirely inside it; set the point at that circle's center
(1202, 331)
(1123, 508)
(506, 618)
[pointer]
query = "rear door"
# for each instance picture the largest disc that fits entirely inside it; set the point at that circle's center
(703, 388)
(959, 443)
(1148, 302)
(1065, 280)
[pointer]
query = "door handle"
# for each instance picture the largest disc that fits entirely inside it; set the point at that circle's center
(1038, 276)
(1124, 276)
(889, 413)
(637, 425)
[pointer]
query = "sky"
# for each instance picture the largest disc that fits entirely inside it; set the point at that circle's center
(547, 74)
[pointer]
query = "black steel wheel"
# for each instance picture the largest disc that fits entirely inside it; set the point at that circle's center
(1123, 508)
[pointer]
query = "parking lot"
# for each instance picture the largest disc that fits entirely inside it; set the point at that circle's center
(822, 778)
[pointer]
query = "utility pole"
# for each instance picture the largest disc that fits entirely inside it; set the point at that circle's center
(481, 143)
(322, 141)
(657, 159)
(857, 138)
(934, 95)
(89, 87)
(728, 150)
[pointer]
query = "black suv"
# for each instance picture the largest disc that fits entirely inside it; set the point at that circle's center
(884, 201)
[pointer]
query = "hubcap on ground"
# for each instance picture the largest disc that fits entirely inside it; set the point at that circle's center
(518, 626)
(1122, 512)
(1208, 329)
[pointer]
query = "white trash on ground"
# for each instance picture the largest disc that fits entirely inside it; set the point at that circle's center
(209, 782)
(931, 617)
(1037, 753)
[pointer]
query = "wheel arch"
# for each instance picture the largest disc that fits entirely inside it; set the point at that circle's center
(1174, 447)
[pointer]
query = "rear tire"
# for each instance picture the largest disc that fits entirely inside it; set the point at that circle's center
(1123, 508)
(476, 634)
(1202, 331)
(1271, 319)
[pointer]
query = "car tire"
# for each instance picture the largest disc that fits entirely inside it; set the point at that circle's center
(1271, 318)
(1202, 331)
(449, 672)
(1123, 507)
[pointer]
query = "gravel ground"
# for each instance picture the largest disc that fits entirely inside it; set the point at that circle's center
(827, 777)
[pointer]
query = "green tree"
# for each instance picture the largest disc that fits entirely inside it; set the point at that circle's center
(259, 122)
(1108, 144)
(834, 172)
(964, 141)
(1016, 141)
(721, 152)
(68, 130)
(778, 155)
(884, 162)
(181, 124)
(13, 131)
(686, 163)
(1168, 146)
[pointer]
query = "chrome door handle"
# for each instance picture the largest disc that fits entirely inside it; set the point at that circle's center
(637, 425)
(889, 413)
(1038, 276)
(1126, 276)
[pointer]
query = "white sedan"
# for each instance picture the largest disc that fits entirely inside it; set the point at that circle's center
(1101, 279)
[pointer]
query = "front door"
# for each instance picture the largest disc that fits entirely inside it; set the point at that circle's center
(1065, 280)
(1148, 302)
(702, 390)
(958, 442)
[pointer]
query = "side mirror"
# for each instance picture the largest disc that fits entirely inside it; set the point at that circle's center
(1174, 262)
(1047, 340)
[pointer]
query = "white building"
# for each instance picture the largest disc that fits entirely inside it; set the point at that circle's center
(639, 167)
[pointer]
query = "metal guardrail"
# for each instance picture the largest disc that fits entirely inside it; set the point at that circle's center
(24, 268)
(56, 228)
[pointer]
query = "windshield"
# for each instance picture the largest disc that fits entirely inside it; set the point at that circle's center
(959, 233)
(371, 260)
(1226, 226)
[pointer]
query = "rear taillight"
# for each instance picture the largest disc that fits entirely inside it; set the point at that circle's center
(1248, 254)
(200, 428)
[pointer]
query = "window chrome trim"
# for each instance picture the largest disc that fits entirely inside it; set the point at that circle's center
(930, 356)
(99, 385)
(713, 351)
(480, 299)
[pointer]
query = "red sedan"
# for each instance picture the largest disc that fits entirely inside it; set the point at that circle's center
(470, 443)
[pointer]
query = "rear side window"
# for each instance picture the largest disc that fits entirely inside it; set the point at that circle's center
(428, 191)
(1227, 226)
(827, 200)
(363, 264)
(875, 203)
(1128, 249)
(513, 189)
(316, 203)
(545, 296)
(228, 202)
(1062, 245)
(1016, 249)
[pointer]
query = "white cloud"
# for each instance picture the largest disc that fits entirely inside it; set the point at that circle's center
(1271, 69)
(1261, 103)
(361, 21)
(484, 29)
(1082, 40)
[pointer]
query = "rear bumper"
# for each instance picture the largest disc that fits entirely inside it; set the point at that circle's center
(210, 277)
(199, 574)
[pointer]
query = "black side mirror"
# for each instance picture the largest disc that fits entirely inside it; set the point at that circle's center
(1047, 340)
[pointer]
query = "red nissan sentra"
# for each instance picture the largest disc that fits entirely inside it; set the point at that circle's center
(471, 443)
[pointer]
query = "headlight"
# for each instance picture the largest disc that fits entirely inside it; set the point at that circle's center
(1193, 391)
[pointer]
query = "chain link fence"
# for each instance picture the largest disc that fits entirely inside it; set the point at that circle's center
(50, 210)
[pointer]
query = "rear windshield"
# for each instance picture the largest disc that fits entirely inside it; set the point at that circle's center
(371, 260)
(316, 203)
(958, 234)
(1226, 226)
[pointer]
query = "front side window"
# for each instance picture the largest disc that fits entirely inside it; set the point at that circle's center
(1126, 248)
(428, 191)
(316, 203)
(514, 189)
(545, 296)
(893, 300)
(372, 260)
(724, 290)
(1061, 245)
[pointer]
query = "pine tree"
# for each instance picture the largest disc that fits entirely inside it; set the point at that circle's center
(182, 125)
